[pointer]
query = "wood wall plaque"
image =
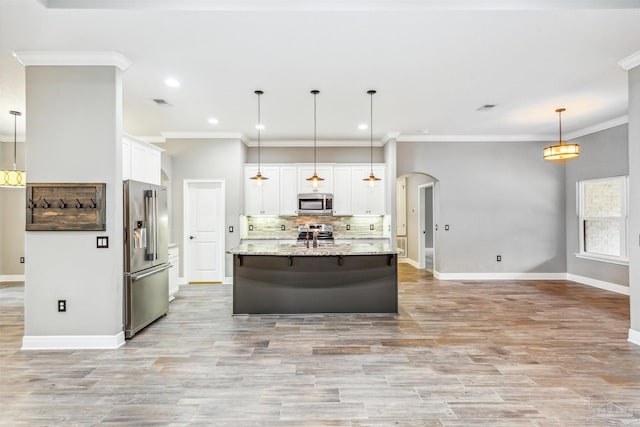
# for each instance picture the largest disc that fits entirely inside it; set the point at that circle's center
(66, 207)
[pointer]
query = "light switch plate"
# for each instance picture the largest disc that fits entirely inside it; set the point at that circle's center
(102, 242)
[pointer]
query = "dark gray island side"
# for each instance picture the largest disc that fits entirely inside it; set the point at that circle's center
(290, 279)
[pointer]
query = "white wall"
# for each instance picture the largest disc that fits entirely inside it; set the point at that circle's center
(323, 155)
(74, 135)
(498, 198)
(634, 201)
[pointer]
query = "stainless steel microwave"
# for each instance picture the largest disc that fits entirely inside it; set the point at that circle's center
(315, 204)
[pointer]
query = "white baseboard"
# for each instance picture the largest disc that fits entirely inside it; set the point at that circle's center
(228, 280)
(12, 278)
(409, 261)
(608, 286)
(182, 281)
(500, 276)
(72, 342)
(634, 337)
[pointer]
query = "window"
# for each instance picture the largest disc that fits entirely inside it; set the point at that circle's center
(602, 210)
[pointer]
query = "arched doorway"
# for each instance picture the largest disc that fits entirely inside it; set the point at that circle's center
(417, 213)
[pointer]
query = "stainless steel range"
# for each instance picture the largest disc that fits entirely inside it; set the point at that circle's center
(322, 233)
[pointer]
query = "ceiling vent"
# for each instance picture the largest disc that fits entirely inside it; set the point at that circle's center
(160, 101)
(485, 107)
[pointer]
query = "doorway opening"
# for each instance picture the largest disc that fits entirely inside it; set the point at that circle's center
(204, 237)
(418, 214)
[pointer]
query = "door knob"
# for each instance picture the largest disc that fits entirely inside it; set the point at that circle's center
(191, 237)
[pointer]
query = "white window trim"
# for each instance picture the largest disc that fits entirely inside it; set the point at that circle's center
(624, 223)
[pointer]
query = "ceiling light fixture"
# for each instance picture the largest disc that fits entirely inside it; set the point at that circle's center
(561, 151)
(362, 126)
(371, 178)
(13, 178)
(315, 179)
(172, 82)
(259, 178)
(213, 121)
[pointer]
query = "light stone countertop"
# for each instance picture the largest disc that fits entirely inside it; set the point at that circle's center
(321, 250)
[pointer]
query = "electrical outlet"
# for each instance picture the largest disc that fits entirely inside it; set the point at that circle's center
(370, 226)
(231, 229)
(62, 305)
(21, 260)
(102, 242)
(348, 227)
(499, 258)
(446, 227)
(282, 227)
(250, 227)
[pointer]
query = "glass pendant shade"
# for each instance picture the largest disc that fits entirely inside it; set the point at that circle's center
(13, 178)
(371, 178)
(258, 176)
(315, 179)
(561, 151)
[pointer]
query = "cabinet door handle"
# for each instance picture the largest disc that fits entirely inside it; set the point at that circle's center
(191, 237)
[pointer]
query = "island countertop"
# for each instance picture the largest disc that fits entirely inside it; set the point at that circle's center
(321, 250)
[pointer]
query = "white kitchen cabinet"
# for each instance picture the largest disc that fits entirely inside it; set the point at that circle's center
(174, 260)
(306, 171)
(367, 199)
(141, 161)
(262, 197)
(288, 190)
(342, 204)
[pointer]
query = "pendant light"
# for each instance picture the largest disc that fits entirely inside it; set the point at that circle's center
(561, 151)
(315, 179)
(371, 178)
(259, 177)
(13, 178)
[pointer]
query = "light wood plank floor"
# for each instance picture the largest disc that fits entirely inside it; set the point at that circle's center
(507, 353)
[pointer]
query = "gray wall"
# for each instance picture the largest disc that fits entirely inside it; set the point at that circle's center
(634, 198)
(208, 159)
(603, 154)
(323, 155)
(12, 215)
(74, 133)
(498, 198)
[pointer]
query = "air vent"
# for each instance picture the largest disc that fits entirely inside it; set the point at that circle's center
(160, 101)
(486, 107)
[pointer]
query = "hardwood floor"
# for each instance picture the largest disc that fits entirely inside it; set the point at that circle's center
(507, 353)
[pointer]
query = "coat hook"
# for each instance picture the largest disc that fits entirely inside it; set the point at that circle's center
(32, 205)
(92, 205)
(78, 204)
(62, 204)
(46, 204)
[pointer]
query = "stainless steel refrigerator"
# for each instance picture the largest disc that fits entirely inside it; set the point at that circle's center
(146, 241)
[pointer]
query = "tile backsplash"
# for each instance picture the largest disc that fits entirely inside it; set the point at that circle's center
(344, 227)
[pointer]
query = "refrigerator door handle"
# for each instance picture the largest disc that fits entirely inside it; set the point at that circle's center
(149, 217)
(135, 277)
(155, 224)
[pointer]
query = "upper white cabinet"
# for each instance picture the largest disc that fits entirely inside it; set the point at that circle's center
(323, 171)
(141, 161)
(342, 190)
(367, 199)
(279, 194)
(262, 197)
(288, 190)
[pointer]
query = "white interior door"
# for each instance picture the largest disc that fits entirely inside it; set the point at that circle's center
(204, 229)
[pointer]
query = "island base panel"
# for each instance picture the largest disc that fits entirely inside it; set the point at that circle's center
(327, 284)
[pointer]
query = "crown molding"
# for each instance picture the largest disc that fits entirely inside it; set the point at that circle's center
(305, 143)
(72, 58)
(294, 5)
(630, 61)
(474, 138)
(152, 139)
(597, 127)
(204, 135)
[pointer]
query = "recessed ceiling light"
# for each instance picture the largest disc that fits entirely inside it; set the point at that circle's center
(363, 126)
(172, 82)
(213, 121)
(260, 126)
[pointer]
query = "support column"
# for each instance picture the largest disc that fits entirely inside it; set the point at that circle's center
(632, 65)
(74, 134)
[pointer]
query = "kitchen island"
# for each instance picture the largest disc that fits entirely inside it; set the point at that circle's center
(291, 279)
